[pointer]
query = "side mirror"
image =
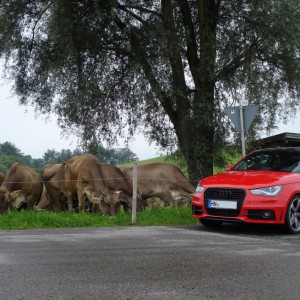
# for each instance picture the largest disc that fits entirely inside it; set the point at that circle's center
(228, 168)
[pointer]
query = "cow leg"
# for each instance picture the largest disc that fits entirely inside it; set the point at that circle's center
(70, 201)
(81, 200)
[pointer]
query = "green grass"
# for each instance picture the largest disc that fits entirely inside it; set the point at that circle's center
(148, 217)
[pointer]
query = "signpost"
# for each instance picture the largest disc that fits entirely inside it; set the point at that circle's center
(134, 194)
(242, 118)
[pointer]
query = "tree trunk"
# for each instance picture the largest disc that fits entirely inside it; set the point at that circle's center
(197, 139)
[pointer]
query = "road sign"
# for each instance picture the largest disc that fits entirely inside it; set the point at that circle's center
(234, 115)
(242, 118)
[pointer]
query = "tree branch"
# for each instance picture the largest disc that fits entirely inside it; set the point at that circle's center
(141, 56)
(192, 55)
(36, 23)
(236, 62)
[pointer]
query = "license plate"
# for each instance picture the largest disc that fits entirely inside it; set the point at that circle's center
(222, 204)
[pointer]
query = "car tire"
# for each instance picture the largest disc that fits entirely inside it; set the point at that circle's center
(292, 217)
(211, 223)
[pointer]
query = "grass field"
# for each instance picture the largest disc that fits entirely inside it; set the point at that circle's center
(149, 217)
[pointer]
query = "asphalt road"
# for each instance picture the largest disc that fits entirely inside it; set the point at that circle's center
(186, 262)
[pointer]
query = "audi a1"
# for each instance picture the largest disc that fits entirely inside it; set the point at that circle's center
(263, 187)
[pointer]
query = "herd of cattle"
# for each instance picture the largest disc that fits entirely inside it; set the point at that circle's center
(83, 183)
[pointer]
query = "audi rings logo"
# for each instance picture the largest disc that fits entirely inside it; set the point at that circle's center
(224, 193)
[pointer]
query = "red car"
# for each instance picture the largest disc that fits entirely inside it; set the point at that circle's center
(263, 187)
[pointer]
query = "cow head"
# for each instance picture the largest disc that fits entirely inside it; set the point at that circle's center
(110, 204)
(17, 199)
(126, 201)
(92, 195)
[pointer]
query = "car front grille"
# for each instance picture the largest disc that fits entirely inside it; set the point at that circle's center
(225, 194)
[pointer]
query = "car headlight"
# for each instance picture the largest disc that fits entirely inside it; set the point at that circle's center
(270, 191)
(199, 189)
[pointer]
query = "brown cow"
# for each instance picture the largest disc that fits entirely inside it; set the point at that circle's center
(53, 176)
(44, 202)
(2, 177)
(116, 181)
(22, 186)
(84, 179)
(162, 180)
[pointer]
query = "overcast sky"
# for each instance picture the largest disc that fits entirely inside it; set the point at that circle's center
(34, 136)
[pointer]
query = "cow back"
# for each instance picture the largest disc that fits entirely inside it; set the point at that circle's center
(84, 168)
(26, 179)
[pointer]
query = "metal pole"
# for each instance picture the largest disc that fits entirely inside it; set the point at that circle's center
(242, 128)
(134, 194)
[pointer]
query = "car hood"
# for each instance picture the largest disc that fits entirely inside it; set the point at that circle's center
(250, 179)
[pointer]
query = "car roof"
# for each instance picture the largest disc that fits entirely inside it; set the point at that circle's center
(279, 150)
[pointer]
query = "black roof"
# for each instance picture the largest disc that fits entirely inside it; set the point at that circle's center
(285, 139)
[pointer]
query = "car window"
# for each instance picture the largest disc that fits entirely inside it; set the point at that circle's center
(271, 161)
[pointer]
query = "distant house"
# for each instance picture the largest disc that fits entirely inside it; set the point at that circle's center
(286, 139)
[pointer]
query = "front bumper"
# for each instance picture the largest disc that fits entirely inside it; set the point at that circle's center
(254, 209)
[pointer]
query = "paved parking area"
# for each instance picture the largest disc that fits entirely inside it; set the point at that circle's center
(184, 262)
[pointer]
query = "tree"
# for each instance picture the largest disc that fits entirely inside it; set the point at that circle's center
(8, 148)
(110, 155)
(169, 66)
(52, 156)
(9, 154)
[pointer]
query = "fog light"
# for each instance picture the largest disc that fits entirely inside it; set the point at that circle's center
(267, 215)
(197, 210)
(261, 214)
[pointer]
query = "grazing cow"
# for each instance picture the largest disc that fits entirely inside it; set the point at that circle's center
(22, 186)
(53, 176)
(2, 177)
(162, 180)
(44, 202)
(84, 178)
(116, 181)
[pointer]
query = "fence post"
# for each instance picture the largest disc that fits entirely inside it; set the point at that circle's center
(134, 194)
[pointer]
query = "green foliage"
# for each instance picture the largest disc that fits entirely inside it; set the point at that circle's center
(169, 67)
(112, 156)
(51, 156)
(8, 148)
(229, 155)
(10, 154)
(148, 217)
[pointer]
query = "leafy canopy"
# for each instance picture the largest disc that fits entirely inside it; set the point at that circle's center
(170, 67)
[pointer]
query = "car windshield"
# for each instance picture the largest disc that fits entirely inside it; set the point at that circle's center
(271, 161)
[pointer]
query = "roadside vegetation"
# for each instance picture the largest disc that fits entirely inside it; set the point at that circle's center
(149, 217)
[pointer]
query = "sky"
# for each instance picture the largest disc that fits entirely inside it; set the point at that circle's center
(35, 135)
